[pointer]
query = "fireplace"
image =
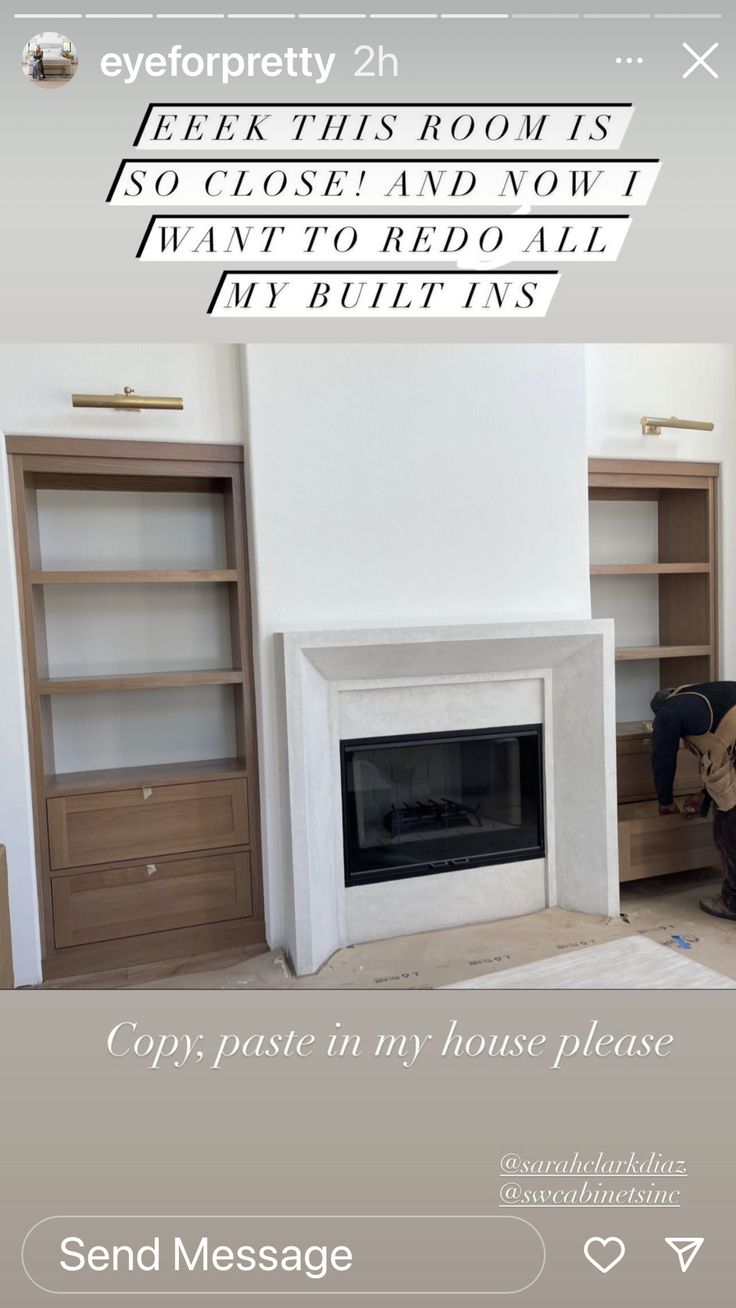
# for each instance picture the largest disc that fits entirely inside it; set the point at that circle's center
(437, 802)
(346, 692)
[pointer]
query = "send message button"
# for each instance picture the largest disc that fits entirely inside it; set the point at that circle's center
(315, 1255)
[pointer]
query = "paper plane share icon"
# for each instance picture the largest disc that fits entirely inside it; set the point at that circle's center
(686, 1247)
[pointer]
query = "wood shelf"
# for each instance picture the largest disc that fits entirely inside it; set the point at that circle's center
(212, 769)
(646, 569)
(162, 576)
(631, 653)
(139, 681)
(627, 730)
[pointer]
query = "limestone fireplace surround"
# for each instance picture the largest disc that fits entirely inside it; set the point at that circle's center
(363, 683)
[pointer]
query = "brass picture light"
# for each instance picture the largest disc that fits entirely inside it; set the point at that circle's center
(653, 426)
(128, 401)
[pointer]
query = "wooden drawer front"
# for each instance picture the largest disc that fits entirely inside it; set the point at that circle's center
(635, 780)
(124, 824)
(656, 846)
(91, 907)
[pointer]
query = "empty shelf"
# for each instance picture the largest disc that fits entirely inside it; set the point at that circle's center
(631, 652)
(645, 569)
(213, 769)
(640, 727)
(164, 576)
(139, 681)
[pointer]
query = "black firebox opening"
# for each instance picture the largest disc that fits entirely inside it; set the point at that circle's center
(414, 805)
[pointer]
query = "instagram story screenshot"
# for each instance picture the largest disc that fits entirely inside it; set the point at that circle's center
(367, 653)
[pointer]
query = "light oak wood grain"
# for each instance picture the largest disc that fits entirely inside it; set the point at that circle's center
(212, 769)
(152, 947)
(140, 974)
(687, 620)
(6, 944)
(75, 447)
(149, 577)
(639, 652)
(648, 468)
(634, 768)
(119, 825)
(652, 846)
(144, 898)
(139, 681)
(224, 818)
(644, 569)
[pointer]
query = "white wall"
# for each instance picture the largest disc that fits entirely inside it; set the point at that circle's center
(36, 382)
(402, 485)
(625, 382)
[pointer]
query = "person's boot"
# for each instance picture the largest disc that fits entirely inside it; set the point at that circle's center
(717, 907)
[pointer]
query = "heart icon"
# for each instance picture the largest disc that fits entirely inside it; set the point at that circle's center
(612, 1250)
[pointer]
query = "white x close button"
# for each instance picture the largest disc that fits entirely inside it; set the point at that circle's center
(700, 60)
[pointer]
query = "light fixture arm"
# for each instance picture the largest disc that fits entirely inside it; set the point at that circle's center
(128, 402)
(653, 426)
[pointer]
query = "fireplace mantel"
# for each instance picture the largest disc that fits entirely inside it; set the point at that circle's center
(342, 684)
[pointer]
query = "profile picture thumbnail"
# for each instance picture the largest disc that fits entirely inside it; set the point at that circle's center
(49, 59)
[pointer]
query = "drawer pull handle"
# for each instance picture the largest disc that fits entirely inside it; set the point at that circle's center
(150, 868)
(147, 792)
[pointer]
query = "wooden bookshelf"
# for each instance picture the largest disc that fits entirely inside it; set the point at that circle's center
(152, 859)
(667, 513)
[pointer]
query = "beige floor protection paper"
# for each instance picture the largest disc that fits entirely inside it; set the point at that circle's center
(663, 910)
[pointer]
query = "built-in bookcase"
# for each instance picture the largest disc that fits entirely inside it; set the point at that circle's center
(653, 565)
(135, 610)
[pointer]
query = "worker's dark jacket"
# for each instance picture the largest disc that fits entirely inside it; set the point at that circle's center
(685, 715)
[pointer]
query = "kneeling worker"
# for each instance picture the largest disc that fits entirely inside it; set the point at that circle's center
(704, 716)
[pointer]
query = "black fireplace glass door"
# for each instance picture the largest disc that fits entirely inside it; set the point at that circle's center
(430, 803)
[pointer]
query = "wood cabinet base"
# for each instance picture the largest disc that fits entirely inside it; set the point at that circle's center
(154, 947)
(654, 846)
